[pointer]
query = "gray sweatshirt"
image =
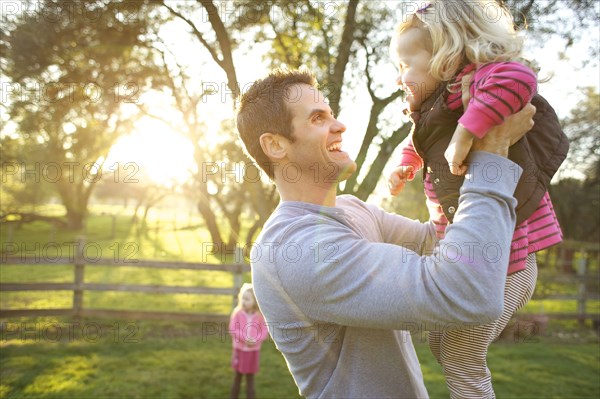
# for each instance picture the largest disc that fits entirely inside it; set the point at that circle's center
(341, 287)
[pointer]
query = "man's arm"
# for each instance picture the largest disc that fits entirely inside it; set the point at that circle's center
(365, 284)
(379, 285)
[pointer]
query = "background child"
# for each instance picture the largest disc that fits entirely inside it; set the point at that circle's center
(435, 48)
(248, 330)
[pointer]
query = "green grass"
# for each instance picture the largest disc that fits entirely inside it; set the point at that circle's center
(55, 358)
(137, 360)
(535, 369)
(550, 306)
(142, 359)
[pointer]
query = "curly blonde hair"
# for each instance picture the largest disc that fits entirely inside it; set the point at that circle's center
(463, 31)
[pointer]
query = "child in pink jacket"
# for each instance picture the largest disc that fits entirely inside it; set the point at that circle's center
(248, 330)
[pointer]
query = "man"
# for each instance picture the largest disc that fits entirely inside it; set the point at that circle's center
(337, 279)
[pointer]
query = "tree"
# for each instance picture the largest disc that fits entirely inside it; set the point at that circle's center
(575, 200)
(583, 130)
(345, 45)
(330, 39)
(576, 203)
(72, 66)
(21, 192)
(320, 35)
(220, 195)
(565, 19)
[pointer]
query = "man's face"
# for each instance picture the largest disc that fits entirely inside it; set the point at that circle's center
(317, 149)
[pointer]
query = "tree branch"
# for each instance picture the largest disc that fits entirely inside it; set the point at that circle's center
(280, 41)
(196, 33)
(225, 43)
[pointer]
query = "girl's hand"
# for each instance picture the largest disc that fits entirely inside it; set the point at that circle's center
(250, 343)
(462, 140)
(458, 149)
(399, 177)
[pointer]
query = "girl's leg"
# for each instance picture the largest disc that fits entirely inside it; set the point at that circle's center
(463, 352)
(235, 388)
(250, 386)
(434, 338)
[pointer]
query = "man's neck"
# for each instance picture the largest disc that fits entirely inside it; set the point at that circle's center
(311, 192)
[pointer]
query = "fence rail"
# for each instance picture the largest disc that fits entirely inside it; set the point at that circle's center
(79, 287)
(570, 263)
(576, 264)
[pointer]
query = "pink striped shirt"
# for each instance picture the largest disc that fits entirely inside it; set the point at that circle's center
(499, 90)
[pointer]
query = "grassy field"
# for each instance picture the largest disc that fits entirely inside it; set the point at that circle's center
(58, 358)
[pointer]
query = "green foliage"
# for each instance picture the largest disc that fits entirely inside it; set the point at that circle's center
(410, 202)
(21, 190)
(583, 130)
(576, 204)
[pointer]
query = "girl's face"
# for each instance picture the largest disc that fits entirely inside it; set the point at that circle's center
(412, 58)
(248, 302)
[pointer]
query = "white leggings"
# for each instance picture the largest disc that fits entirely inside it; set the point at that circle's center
(462, 353)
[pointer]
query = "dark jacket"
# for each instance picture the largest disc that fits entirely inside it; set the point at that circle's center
(540, 152)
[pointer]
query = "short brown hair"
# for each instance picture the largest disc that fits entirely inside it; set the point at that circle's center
(263, 109)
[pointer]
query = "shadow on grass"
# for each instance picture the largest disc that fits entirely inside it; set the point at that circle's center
(143, 359)
(167, 360)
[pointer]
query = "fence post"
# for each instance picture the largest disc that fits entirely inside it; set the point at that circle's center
(113, 229)
(581, 274)
(11, 228)
(79, 276)
(237, 282)
(547, 264)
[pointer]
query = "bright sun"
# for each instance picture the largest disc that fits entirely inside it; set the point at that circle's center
(156, 151)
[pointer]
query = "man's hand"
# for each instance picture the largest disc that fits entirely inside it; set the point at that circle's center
(399, 177)
(500, 137)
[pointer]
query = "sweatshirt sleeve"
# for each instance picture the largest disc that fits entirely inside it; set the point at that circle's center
(263, 331)
(380, 285)
(411, 234)
(235, 328)
(409, 157)
(500, 90)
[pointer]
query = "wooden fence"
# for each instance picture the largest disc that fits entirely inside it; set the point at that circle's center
(569, 264)
(79, 287)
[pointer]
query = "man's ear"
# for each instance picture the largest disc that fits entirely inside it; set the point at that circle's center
(273, 145)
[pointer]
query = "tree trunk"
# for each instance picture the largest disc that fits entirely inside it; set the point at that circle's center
(75, 218)
(336, 80)
(387, 148)
(370, 134)
(211, 222)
